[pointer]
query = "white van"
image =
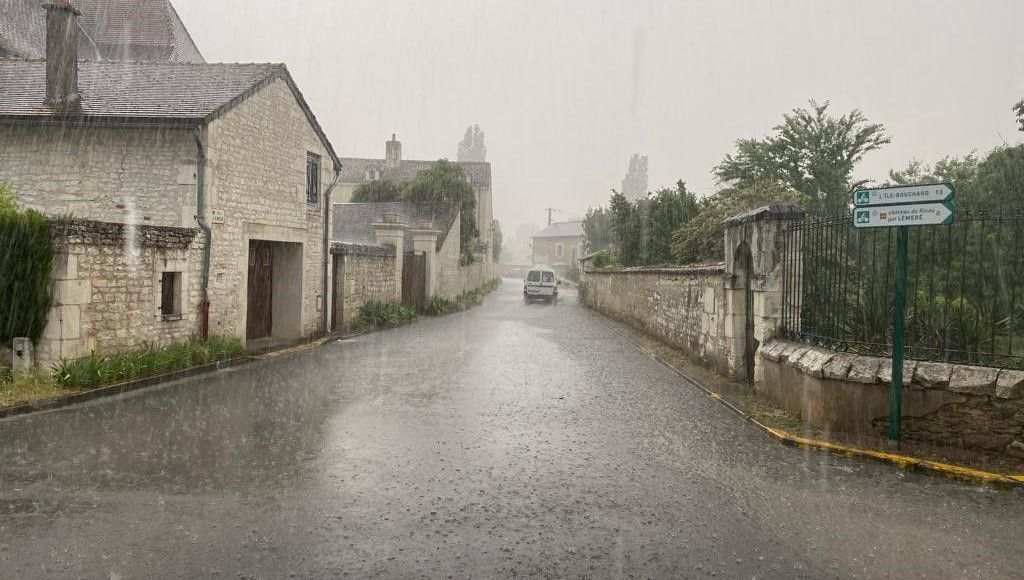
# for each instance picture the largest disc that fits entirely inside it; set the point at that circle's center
(541, 284)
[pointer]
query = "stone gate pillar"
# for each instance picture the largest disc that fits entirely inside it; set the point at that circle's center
(754, 244)
(425, 240)
(391, 232)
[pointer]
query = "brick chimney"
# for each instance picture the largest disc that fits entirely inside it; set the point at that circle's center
(62, 55)
(393, 152)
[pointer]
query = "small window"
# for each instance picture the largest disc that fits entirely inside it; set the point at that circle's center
(548, 277)
(170, 295)
(559, 250)
(312, 178)
(533, 276)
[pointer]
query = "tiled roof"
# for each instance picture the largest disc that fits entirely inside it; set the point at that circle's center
(355, 169)
(573, 229)
(137, 30)
(132, 89)
(353, 222)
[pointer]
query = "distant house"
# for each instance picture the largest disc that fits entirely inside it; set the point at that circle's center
(559, 245)
(356, 171)
(198, 193)
(108, 30)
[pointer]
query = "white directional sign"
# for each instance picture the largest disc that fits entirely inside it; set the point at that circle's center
(917, 214)
(932, 193)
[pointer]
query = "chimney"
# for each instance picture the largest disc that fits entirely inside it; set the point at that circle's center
(61, 55)
(393, 152)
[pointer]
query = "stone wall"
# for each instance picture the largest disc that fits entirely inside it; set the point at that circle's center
(943, 404)
(685, 306)
(106, 288)
(364, 274)
(256, 182)
(114, 174)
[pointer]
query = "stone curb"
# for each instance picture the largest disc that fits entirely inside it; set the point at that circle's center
(906, 462)
(119, 388)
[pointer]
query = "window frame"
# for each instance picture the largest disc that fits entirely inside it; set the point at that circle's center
(174, 293)
(313, 185)
(559, 250)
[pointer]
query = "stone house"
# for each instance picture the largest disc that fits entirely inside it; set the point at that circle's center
(124, 30)
(559, 245)
(199, 192)
(356, 171)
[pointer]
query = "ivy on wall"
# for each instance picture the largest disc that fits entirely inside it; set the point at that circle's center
(25, 264)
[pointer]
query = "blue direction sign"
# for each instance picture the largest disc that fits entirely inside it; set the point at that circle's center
(915, 214)
(903, 194)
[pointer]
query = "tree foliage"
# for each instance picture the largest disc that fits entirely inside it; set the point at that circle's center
(445, 181)
(472, 147)
(381, 190)
(811, 152)
(1019, 109)
(702, 238)
(958, 170)
(644, 227)
(634, 185)
(597, 230)
(25, 265)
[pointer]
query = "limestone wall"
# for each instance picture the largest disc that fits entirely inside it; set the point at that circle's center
(943, 404)
(685, 307)
(364, 274)
(106, 288)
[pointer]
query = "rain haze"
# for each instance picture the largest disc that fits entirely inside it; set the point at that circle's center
(566, 92)
(519, 289)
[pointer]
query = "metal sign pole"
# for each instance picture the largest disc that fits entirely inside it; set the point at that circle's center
(898, 324)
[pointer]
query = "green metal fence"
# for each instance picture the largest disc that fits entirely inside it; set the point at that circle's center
(964, 287)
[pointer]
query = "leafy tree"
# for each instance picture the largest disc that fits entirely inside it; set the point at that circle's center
(702, 238)
(634, 186)
(472, 147)
(959, 170)
(811, 152)
(597, 229)
(1019, 109)
(644, 227)
(496, 240)
(377, 191)
(445, 181)
(998, 181)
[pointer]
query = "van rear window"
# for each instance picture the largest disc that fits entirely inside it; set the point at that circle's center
(548, 277)
(533, 276)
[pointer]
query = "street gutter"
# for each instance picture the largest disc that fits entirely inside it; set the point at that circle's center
(906, 462)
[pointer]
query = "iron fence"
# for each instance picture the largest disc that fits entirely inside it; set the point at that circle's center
(963, 302)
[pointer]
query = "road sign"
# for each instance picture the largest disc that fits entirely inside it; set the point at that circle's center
(916, 214)
(930, 193)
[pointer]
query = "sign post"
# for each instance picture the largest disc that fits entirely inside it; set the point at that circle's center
(901, 207)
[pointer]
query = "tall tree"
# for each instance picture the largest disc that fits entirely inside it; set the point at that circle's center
(1019, 109)
(472, 147)
(377, 191)
(811, 152)
(644, 227)
(959, 170)
(634, 186)
(445, 181)
(597, 229)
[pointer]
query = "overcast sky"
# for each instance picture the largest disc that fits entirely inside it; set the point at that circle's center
(566, 91)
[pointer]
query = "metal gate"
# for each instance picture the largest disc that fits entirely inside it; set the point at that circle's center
(258, 320)
(414, 280)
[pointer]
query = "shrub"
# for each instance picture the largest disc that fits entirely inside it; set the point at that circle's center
(25, 263)
(384, 314)
(603, 259)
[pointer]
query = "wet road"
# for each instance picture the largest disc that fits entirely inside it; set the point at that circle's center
(506, 441)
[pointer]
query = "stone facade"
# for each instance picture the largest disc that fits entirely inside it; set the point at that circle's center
(943, 404)
(684, 307)
(559, 253)
(106, 288)
(256, 180)
(112, 174)
(364, 274)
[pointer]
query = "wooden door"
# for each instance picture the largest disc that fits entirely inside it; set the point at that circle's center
(261, 275)
(414, 280)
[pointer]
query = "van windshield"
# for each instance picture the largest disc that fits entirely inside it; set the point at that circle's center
(548, 277)
(533, 276)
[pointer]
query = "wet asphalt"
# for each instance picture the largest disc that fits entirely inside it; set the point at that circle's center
(506, 441)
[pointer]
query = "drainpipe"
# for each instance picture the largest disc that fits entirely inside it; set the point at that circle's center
(325, 321)
(200, 136)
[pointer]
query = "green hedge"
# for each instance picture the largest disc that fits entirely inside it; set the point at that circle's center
(26, 257)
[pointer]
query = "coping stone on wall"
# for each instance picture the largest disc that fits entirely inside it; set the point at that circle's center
(839, 367)
(349, 249)
(973, 380)
(776, 211)
(1010, 384)
(90, 232)
(773, 349)
(864, 369)
(885, 372)
(813, 361)
(792, 352)
(933, 375)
